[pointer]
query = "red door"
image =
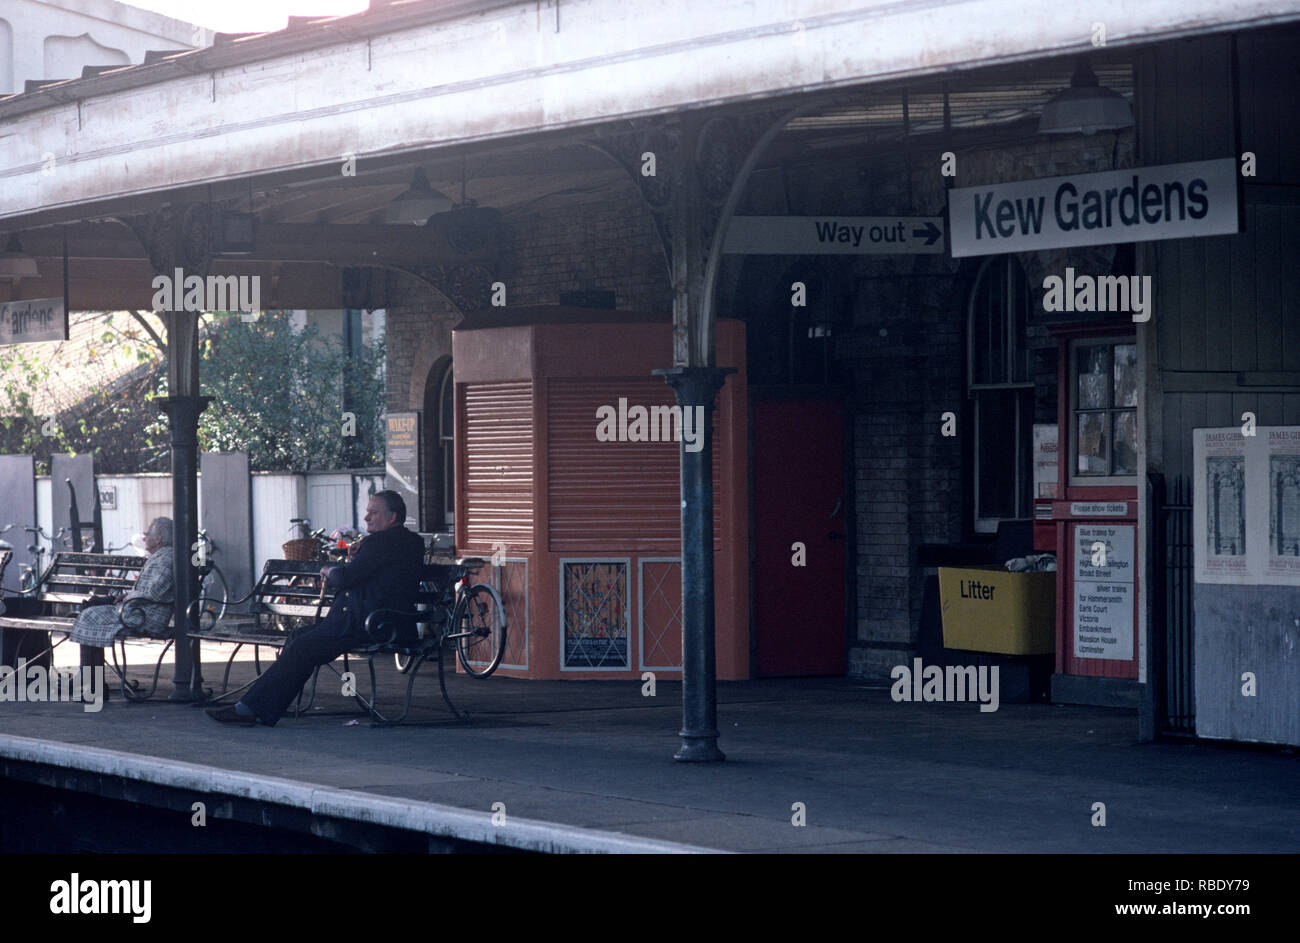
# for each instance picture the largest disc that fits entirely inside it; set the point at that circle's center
(799, 498)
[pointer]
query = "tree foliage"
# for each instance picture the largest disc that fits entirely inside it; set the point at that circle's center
(278, 394)
(282, 396)
(107, 419)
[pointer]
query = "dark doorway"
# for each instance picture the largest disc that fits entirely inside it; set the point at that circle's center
(799, 498)
(437, 486)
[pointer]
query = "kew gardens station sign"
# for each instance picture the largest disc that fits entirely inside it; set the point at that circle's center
(33, 321)
(1172, 201)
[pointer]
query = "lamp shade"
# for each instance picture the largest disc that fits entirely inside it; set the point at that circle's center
(418, 203)
(15, 264)
(1085, 107)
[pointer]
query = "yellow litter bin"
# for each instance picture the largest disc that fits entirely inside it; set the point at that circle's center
(988, 609)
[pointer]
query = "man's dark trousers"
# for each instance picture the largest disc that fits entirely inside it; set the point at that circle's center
(307, 649)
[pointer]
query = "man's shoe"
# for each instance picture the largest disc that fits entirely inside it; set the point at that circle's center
(228, 715)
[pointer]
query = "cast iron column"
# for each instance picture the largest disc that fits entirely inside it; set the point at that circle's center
(183, 419)
(698, 386)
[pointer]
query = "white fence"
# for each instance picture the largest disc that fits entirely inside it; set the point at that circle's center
(129, 502)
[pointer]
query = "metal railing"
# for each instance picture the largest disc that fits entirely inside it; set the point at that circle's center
(1172, 666)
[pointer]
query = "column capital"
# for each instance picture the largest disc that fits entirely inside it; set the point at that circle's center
(695, 386)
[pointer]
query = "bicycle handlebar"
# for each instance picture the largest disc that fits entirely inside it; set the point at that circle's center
(38, 531)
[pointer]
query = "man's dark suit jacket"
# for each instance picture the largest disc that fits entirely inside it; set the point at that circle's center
(383, 575)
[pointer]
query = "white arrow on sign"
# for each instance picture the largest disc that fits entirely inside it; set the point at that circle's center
(835, 235)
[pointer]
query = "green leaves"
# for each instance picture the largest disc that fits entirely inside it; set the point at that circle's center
(279, 395)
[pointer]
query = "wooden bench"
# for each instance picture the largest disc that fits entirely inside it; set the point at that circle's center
(64, 588)
(289, 589)
(287, 594)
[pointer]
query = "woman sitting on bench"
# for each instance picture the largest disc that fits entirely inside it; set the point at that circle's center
(98, 624)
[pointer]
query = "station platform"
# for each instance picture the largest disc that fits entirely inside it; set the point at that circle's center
(587, 767)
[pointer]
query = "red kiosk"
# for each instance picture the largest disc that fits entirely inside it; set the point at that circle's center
(568, 473)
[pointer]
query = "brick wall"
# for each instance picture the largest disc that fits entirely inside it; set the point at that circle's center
(419, 322)
(604, 240)
(904, 354)
(600, 241)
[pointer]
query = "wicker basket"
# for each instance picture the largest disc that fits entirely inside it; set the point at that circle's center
(301, 548)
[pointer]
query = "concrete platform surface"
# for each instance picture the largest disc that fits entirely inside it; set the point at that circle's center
(869, 775)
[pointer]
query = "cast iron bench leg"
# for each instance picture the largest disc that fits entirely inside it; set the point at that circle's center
(442, 683)
(128, 687)
(225, 677)
(300, 710)
(131, 689)
(376, 718)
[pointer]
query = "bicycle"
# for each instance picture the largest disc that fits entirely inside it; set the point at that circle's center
(30, 574)
(312, 545)
(473, 618)
(133, 544)
(214, 593)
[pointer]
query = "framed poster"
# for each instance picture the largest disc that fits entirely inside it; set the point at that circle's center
(402, 461)
(1046, 457)
(1246, 505)
(1282, 562)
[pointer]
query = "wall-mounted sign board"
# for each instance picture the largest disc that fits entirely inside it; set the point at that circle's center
(1171, 201)
(1103, 594)
(33, 321)
(835, 235)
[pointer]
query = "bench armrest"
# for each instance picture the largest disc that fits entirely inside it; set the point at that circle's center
(131, 613)
(190, 610)
(379, 617)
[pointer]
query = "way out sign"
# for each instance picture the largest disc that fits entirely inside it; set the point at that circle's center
(1172, 201)
(33, 321)
(835, 235)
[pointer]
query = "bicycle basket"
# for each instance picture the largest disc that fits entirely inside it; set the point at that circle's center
(300, 548)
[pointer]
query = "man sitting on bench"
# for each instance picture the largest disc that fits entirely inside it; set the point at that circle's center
(383, 575)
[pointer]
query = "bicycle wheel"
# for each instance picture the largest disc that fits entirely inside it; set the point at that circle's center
(479, 628)
(214, 595)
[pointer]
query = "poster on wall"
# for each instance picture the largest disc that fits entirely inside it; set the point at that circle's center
(1246, 505)
(1045, 460)
(402, 461)
(1224, 467)
(1282, 564)
(1103, 591)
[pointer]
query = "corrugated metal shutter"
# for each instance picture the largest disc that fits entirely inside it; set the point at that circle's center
(498, 430)
(613, 496)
